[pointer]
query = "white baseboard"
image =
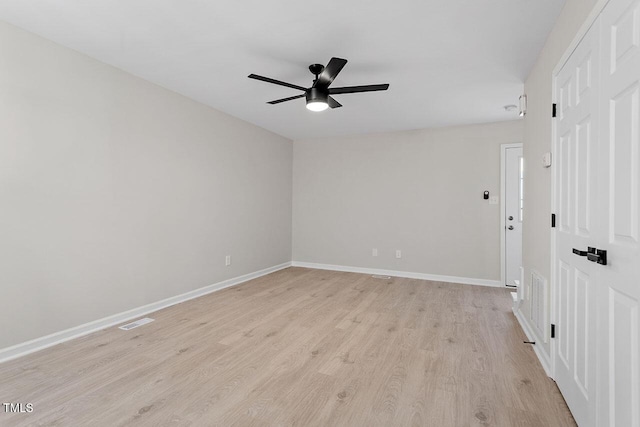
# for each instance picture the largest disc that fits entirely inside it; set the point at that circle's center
(409, 275)
(543, 357)
(87, 328)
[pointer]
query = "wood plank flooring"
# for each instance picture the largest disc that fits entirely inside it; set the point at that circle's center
(299, 347)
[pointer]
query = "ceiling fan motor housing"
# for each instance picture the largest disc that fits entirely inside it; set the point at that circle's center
(315, 94)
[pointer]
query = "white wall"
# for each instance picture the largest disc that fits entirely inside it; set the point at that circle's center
(418, 191)
(537, 141)
(115, 193)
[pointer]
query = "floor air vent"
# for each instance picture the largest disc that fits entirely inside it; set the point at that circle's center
(378, 276)
(135, 324)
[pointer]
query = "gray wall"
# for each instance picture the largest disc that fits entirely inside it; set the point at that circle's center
(537, 141)
(418, 191)
(115, 193)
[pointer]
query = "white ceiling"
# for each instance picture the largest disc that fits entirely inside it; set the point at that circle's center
(448, 62)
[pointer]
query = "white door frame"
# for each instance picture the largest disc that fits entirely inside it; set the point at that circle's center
(553, 286)
(503, 221)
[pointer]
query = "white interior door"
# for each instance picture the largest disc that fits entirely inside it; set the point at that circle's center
(619, 161)
(513, 204)
(577, 223)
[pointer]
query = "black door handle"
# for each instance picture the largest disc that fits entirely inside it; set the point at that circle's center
(600, 257)
(589, 250)
(593, 254)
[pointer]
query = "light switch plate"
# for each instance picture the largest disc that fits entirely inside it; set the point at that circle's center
(494, 200)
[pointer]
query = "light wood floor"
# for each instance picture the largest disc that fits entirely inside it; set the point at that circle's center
(299, 347)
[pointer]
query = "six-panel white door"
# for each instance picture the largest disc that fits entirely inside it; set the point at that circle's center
(619, 180)
(577, 227)
(597, 353)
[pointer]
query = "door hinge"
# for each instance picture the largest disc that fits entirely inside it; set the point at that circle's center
(553, 220)
(553, 110)
(553, 330)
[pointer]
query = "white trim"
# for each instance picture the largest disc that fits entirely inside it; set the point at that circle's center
(553, 236)
(409, 275)
(503, 209)
(582, 31)
(87, 328)
(554, 209)
(543, 357)
(553, 297)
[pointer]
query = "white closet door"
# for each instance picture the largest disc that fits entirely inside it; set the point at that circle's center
(619, 160)
(577, 209)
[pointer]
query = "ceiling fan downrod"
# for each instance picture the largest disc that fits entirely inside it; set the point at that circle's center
(316, 69)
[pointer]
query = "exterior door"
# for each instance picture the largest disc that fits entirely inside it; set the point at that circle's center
(577, 224)
(513, 182)
(619, 161)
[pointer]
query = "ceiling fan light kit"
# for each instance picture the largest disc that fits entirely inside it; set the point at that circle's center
(318, 96)
(317, 100)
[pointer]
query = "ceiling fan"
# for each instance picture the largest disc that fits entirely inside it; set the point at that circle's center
(319, 94)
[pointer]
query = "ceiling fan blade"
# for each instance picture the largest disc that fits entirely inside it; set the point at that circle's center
(333, 103)
(355, 89)
(278, 101)
(330, 72)
(275, 82)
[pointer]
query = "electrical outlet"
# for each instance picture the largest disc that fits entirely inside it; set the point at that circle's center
(227, 260)
(374, 252)
(398, 253)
